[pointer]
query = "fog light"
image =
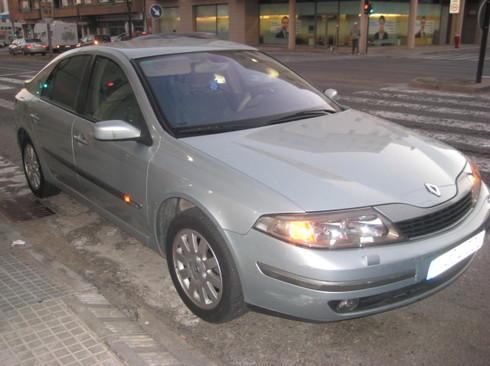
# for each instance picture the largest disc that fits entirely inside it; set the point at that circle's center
(345, 306)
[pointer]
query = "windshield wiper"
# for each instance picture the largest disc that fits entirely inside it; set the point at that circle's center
(207, 129)
(310, 113)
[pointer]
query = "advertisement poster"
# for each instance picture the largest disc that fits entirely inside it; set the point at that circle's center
(382, 27)
(424, 27)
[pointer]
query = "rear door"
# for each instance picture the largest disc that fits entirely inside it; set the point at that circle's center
(112, 171)
(52, 115)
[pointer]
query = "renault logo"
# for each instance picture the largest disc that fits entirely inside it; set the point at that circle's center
(432, 188)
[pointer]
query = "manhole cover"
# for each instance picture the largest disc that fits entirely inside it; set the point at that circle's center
(24, 208)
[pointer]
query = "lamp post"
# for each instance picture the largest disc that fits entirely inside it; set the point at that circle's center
(130, 25)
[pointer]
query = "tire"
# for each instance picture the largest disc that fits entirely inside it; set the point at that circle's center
(218, 296)
(34, 174)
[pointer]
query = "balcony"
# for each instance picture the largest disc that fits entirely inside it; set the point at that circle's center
(29, 14)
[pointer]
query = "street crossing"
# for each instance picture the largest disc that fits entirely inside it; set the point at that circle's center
(460, 120)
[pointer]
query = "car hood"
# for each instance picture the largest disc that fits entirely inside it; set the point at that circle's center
(344, 160)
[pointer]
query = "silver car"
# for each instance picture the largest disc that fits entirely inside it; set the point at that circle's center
(259, 190)
(29, 46)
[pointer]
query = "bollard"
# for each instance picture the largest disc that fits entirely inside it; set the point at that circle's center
(457, 41)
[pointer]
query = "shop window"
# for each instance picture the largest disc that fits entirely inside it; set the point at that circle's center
(274, 23)
(212, 19)
(170, 20)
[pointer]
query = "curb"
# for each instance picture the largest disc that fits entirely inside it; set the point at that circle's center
(455, 85)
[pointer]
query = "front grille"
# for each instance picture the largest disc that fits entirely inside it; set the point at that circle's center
(436, 221)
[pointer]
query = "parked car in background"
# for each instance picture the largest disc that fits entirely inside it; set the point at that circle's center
(64, 34)
(29, 46)
(126, 37)
(94, 40)
(258, 188)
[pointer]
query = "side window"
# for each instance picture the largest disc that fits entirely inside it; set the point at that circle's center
(110, 95)
(63, 85)
(38, 85)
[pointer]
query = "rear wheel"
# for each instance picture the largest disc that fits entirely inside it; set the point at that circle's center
(34, 174)
(202, 268)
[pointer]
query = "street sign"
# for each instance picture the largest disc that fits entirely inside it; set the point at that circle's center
(156, 11)
(454, 7)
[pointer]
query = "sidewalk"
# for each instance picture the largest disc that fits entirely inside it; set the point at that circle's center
(49, 315)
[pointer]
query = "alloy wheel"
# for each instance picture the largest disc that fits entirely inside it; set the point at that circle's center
(197, 269)
(32, 168)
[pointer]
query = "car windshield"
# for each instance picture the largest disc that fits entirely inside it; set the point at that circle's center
(210, 92)
(33, 40)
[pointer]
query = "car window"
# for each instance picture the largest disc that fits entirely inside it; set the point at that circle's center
(39, 83)
(63, 85)
(110, 96)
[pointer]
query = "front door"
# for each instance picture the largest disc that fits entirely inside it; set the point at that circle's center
(112, 174)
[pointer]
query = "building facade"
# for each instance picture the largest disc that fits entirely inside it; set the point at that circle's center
(308, 23)
(91, 16)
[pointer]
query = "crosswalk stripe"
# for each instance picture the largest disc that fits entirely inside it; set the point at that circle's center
(426, 98)
(443, 122)
(5, 87)
(7, 104)
(12, 81)
(451, 139)
(419, 107)
(404, 89)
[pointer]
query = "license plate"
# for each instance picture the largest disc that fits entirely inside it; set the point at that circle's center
(455, 255)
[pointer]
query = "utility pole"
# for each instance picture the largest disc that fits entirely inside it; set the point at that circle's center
(484, 20)
(130, 25)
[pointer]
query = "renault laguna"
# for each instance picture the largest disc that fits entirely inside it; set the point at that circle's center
(259, 190)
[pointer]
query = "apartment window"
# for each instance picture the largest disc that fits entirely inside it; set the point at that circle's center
(213, 19)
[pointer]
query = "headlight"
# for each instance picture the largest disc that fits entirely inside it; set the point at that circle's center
(473, 174)
(335, 230)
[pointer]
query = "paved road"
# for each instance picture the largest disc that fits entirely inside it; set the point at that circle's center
(450, 328)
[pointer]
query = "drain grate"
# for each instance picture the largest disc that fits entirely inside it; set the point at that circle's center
(24, 208)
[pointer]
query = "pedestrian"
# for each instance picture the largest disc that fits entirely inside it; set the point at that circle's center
(355, 34)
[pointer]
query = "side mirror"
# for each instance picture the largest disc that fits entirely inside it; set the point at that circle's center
(331, 93)
(115, 130)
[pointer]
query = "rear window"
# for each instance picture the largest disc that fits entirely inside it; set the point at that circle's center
(33, 40)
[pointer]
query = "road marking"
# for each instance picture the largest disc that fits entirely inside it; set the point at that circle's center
(426, 99)
(28, 74)
(12, 81)
(481, 142)
(416, 106)
(5, 87)
(405, 89)
(445, 122)
(7, 104)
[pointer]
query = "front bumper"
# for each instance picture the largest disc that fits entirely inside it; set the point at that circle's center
(308, 284)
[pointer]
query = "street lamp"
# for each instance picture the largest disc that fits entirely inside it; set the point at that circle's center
(130, 25)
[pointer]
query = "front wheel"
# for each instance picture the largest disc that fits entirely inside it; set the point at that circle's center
(34, 174)
(202, 268)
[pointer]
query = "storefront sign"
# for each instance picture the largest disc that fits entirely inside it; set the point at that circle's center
(454, 7)
(156, 11)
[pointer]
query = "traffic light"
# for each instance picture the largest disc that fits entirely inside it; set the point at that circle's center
(368, 8)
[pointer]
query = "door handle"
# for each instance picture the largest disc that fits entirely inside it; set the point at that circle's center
(80, 139)
(34, 117)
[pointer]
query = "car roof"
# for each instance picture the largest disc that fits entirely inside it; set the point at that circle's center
(167, 44)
